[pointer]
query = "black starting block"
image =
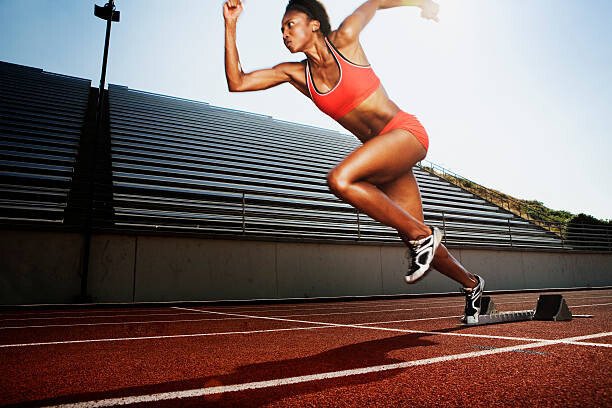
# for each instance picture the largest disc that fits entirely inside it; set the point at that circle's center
(549, 307)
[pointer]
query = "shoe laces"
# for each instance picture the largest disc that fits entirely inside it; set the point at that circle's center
(410, 254)
(413, 247)
(469, 291)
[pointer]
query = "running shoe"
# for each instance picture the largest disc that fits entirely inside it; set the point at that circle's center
(472, 302)
(421, 254)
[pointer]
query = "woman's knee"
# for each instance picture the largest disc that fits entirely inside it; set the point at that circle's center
(338, 181)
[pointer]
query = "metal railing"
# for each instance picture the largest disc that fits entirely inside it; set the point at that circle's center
(285, 217)
(243, 213)
(176, 166)
(515, 206)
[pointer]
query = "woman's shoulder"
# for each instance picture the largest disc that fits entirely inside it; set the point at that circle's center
(341, 39)
(295, 70)
(350, 48)
(292, 64)
(292, 67)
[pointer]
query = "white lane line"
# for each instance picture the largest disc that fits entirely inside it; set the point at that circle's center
(594, 304)
(75, 311)
(198, 311)
(457, 302)
(289, 308)
(248, 308)
(396, 310)
(389, 307)
(449, 317)
(255, 311)
(320, 325)
(326, 326)
(585, 343)
(371, 327)
(386, 310)
(174, 336)
(45, 326)
(95, 317)
(254, 308)
(485, 336)
(391, 302)
(275, 308)
(199, 392)
(190, 321)
(426, 301)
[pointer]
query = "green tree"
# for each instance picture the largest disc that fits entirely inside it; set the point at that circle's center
(587, 232)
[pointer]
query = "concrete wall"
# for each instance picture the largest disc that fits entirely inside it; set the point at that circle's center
(44, 268)
(39, 267)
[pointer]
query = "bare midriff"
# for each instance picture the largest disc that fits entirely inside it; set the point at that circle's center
(370, 116)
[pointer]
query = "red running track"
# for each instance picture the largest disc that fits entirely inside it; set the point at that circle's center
(391, 353)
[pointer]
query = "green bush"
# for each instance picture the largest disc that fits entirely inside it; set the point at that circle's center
(587, 232)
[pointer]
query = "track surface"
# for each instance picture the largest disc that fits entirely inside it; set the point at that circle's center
(377, 353)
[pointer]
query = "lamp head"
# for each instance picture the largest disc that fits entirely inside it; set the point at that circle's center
(107, 12)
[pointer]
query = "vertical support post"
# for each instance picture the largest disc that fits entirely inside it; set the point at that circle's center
(444, 226)
(510, 232)
(243, 214)
(561, 235)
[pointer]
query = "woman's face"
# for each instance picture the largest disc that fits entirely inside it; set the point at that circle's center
(298, 30)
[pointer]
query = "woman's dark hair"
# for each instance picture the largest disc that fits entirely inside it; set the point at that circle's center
(315, 11)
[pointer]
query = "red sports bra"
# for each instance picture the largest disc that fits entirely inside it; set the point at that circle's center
(356, 83)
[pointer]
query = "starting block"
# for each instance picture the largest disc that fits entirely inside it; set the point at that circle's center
(549, 307)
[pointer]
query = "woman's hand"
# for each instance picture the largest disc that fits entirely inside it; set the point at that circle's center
(429, 10)
(232, 9)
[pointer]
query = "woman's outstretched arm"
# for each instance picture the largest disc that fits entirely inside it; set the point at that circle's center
(237, 80)
(397, 3)
(352, 26)
(429, 8)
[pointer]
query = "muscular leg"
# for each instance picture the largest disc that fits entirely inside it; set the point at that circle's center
(379, 161)
(377, 179)
(405, 192)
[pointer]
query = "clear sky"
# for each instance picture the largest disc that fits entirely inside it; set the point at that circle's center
(515, 94)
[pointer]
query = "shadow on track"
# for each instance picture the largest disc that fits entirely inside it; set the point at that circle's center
(352, 356)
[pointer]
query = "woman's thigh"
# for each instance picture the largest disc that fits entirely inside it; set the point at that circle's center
(382, 159)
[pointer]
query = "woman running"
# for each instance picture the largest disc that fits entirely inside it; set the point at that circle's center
(377, 177)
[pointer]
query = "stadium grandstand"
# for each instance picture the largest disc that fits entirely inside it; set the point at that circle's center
(167, 167)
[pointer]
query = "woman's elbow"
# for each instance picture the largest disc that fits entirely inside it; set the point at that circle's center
(377, 3)
(234, 86)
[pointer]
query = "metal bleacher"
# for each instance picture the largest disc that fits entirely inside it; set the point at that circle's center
(41, 116)
(171, 165)
(181, 165)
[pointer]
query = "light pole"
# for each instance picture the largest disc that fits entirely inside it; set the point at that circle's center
(111, 15)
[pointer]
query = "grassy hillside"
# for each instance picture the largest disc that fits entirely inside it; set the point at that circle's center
(577, 231)
(532, 210)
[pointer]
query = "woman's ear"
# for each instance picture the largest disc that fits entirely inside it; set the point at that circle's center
(316, 25)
